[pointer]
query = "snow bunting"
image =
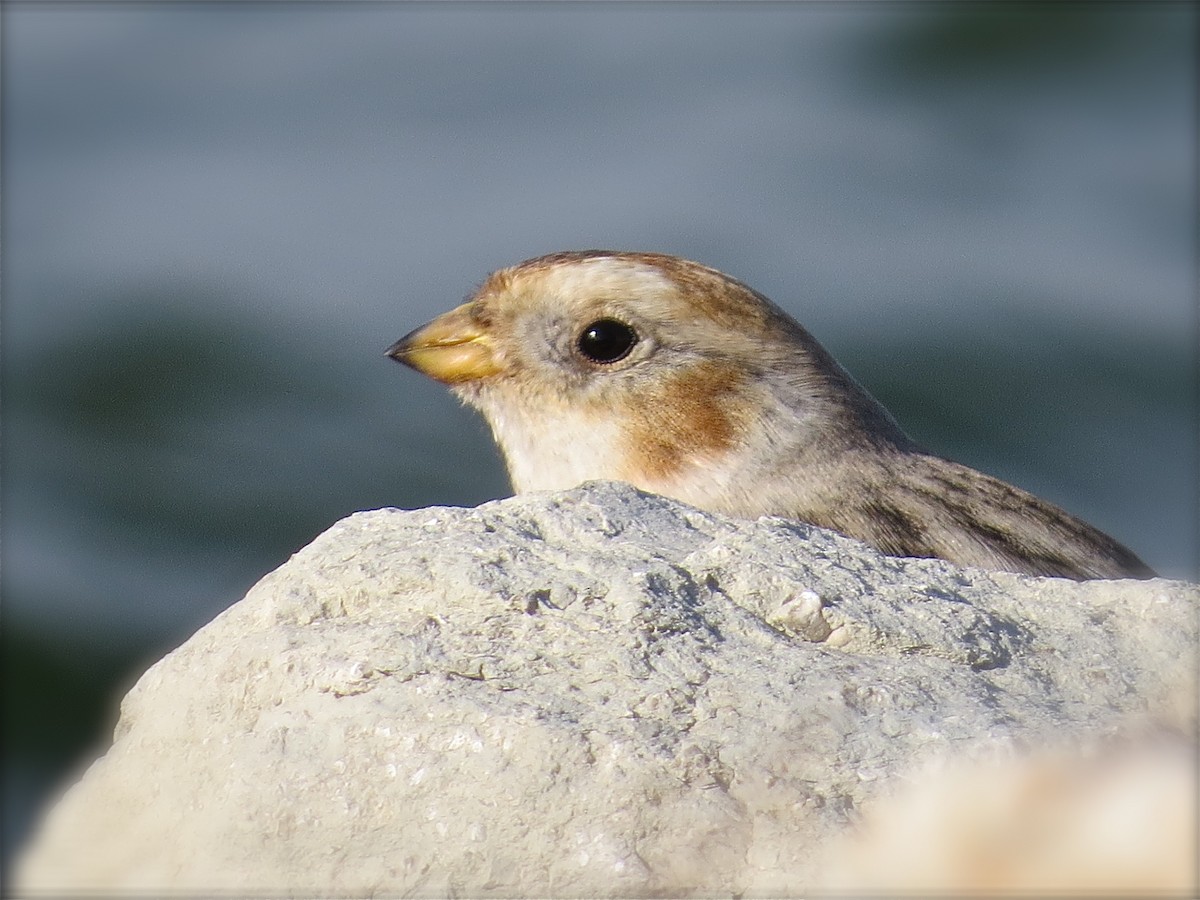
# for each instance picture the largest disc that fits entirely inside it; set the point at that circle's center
(682, 381)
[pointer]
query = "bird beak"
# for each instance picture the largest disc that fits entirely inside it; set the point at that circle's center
(453, 348)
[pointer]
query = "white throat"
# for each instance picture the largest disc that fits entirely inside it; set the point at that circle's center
(557, 452)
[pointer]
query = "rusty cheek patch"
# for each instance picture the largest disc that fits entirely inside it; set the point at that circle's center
(692, 416)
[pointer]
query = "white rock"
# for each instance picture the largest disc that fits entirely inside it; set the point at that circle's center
(595, 692)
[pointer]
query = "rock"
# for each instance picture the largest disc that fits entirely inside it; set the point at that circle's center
(593, 692)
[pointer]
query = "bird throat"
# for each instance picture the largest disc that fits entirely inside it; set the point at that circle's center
(553, 452)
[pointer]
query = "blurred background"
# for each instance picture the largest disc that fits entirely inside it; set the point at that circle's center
(216, 217)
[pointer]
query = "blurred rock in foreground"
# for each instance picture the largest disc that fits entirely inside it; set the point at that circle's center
(602, 692)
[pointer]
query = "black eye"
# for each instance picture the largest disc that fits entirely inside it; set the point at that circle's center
(606, 341)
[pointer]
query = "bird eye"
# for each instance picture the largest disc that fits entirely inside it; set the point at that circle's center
(606, 341)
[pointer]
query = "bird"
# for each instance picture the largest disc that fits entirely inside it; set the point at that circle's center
(682, 381)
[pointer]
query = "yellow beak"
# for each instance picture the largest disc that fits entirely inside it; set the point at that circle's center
(453, 348)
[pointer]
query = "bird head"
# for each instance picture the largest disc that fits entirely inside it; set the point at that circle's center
(643, 368)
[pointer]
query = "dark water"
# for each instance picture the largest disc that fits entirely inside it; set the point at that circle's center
(216, 217)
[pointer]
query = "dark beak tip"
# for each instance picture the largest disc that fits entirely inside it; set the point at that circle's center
(397, 350)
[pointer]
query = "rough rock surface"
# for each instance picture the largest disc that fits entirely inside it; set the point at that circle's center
(595, 692)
